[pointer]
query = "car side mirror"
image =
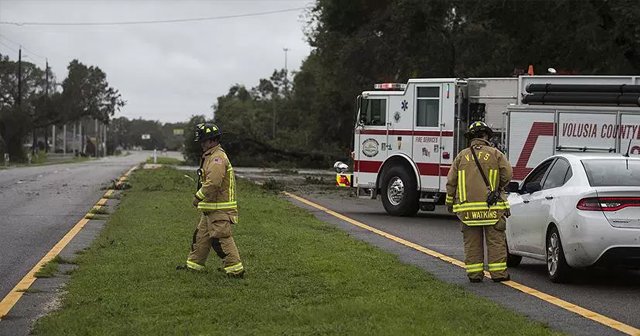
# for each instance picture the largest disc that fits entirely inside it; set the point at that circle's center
(512, 187)
(532, 187)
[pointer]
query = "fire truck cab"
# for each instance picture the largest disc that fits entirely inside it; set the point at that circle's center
(407, 135)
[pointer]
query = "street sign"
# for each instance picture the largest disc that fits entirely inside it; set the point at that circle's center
(146, 136)
(178, 131)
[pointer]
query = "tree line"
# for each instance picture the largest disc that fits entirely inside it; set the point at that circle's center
(31, 100)
(308, 117)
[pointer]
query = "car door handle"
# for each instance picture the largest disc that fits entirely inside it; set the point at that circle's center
(549, 197)
(525, 201)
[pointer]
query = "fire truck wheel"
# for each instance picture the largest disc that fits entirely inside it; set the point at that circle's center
(399, 192)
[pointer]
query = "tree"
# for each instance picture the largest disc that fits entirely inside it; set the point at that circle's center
(86, 92)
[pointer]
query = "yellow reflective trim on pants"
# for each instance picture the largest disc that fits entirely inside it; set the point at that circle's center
(194, 265)
(217, 206)
(481, 222)
(498, 266)
(473, 268)
(234, 268)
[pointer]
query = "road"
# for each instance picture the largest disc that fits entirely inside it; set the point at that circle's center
(38, 206)
(612, 293)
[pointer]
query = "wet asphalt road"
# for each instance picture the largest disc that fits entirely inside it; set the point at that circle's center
(613, 293)
(39, 205)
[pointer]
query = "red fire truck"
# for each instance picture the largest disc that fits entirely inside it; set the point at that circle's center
(407, 135)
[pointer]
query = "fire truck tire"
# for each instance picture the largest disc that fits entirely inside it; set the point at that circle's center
(399, 192)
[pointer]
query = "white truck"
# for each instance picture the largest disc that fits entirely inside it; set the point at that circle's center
(407, 135)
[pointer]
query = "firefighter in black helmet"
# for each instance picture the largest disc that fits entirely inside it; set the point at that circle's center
(216, 198)
(475, 193)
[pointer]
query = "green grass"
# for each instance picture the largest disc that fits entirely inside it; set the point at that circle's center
(165, 160)
(303, 277)
(99, 210)
(48, 270)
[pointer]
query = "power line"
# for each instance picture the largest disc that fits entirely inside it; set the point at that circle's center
(21, 47)
(9, 47)
(115, 23)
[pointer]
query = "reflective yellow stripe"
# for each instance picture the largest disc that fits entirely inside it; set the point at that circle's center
(464, 186)
(234, 268)
(200, 194)
(473, 268)
(492, 182)
(472, 206)
(449, 199)
(498, 266)
(480, 222)
(194, 265)
(495, 179)
(460, 185)
(464, 207)
(217, 206)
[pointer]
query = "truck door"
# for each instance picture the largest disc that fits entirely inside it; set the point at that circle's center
(447, 127)
(427, 134)
(371, 140)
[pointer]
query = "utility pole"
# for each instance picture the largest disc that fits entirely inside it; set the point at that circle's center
(46, 92)
(19, 100)
(286, 71)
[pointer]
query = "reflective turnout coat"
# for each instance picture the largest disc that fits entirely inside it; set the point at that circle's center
(467, 191)
(217, 194)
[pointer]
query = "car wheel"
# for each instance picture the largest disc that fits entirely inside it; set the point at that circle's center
(557, 267)
(399, 192)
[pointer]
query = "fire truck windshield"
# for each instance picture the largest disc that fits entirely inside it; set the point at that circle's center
(373, 112)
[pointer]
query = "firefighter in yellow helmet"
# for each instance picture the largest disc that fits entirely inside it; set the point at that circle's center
(216, 198)
(480, 203)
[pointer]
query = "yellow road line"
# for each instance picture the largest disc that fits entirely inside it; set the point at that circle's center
(102, 202)
(589, 314)
(108, 193)
(16, 293)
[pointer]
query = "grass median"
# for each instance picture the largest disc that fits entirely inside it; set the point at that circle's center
(303, 277)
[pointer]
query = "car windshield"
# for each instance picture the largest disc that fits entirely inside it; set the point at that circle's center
(612, 172)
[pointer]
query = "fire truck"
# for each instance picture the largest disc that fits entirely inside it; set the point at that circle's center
(407, 135)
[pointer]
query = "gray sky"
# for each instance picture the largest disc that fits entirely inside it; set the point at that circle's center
(167, 71)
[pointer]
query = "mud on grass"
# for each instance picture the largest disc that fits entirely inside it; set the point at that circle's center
(303, 277)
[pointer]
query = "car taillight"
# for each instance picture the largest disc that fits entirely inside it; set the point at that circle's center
(607, 203)
(589, 204)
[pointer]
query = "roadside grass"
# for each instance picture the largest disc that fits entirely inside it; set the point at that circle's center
(165, 160)
(303, 277)
(99, 210)
(42, 160)
(48, 270)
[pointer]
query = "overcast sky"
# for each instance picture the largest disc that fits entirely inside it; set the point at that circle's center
(165, 71)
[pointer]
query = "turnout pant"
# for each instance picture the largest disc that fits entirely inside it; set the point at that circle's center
(475, 238)
(214, 234)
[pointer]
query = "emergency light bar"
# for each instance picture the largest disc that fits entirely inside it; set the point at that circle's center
(390, 86)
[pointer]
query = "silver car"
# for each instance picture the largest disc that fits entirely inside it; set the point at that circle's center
(576, 210)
